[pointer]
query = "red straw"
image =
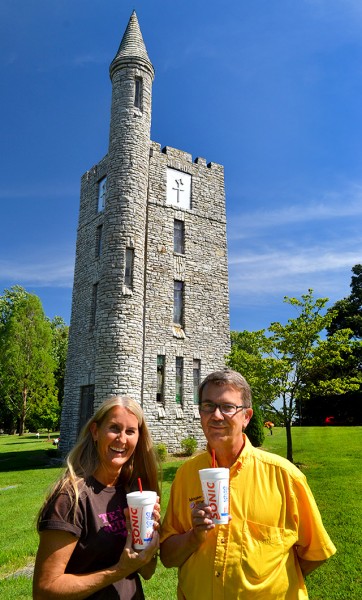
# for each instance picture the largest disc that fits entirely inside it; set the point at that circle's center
(213, 459)
(140, 484)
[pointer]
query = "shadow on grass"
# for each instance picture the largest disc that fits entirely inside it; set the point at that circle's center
(21, 442)
(31, 459)
(169, 472)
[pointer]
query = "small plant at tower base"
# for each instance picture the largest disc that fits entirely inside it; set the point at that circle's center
(188, 445)
(161, 452)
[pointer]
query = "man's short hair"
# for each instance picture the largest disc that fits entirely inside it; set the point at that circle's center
(228, 377)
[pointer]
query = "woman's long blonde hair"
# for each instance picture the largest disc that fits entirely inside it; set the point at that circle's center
(83, 459)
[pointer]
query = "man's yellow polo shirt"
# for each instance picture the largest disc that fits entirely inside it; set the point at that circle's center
(274, 520)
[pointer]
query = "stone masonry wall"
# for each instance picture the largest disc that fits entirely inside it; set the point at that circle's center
(203, 268)
(81, 350)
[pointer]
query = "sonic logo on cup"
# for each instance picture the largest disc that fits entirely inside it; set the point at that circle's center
(136, 533)
(212, 500)
(141, 505)
(215, 490)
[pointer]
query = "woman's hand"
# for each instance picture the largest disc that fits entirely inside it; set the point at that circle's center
(147, 558)
(157, 515)
(143, 561)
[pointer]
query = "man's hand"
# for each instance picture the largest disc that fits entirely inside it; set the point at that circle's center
(178, 548)
(201, 521)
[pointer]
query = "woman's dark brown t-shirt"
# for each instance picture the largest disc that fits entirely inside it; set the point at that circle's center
(100, 526)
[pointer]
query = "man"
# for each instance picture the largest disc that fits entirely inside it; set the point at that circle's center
(275, 536)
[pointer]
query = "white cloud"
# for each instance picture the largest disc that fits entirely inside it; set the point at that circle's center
(306, 261)
(291, 248)
(332, 205)
(53, 273)
(52, 190)
(322, 269)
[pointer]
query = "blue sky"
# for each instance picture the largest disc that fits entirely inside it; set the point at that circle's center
(271, 89)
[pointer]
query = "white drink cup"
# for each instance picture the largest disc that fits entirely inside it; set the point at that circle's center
(215, 488)
(141, 506)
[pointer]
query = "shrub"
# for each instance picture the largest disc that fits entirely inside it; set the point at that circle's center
(255, 429)
(161, 452)
(188, 446)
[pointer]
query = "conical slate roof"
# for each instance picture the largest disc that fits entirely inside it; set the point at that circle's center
(132, 48)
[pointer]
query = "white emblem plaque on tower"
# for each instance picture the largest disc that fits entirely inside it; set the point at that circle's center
(178, 189)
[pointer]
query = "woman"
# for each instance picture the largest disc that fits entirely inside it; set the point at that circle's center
(85, 548)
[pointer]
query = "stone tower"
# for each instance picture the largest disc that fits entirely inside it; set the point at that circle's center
(150, 309)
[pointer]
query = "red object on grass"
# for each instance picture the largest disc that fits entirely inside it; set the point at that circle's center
(329, 420)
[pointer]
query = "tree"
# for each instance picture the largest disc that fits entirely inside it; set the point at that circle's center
(60, 332)
(45, 415)
(7, 418)
(27, 363)
(247, 349)
(278, 363)
(345, 408)
(255, 428)
(249, 355)
(347, 313)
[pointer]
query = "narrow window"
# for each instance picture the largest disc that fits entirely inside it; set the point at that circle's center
(179, 236)
(99, 240)
(94, 305)
(160, 378)
(138, 92)
(102, 187)
(179, 379)
(178, 301)
(128, 269)
(86, 404)
(196, 375)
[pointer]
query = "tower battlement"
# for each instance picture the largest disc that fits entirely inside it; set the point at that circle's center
(175, 154)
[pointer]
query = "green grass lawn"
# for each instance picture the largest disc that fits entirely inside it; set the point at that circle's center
(331, 459)
(329, 456)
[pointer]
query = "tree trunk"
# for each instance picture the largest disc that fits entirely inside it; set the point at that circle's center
(288, 427)
(23, 412)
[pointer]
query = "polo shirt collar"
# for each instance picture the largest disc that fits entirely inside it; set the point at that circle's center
(243, 456)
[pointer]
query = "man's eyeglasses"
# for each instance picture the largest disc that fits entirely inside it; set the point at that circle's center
(225, 409)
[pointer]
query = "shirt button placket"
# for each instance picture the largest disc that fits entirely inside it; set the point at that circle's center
(219, 565)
